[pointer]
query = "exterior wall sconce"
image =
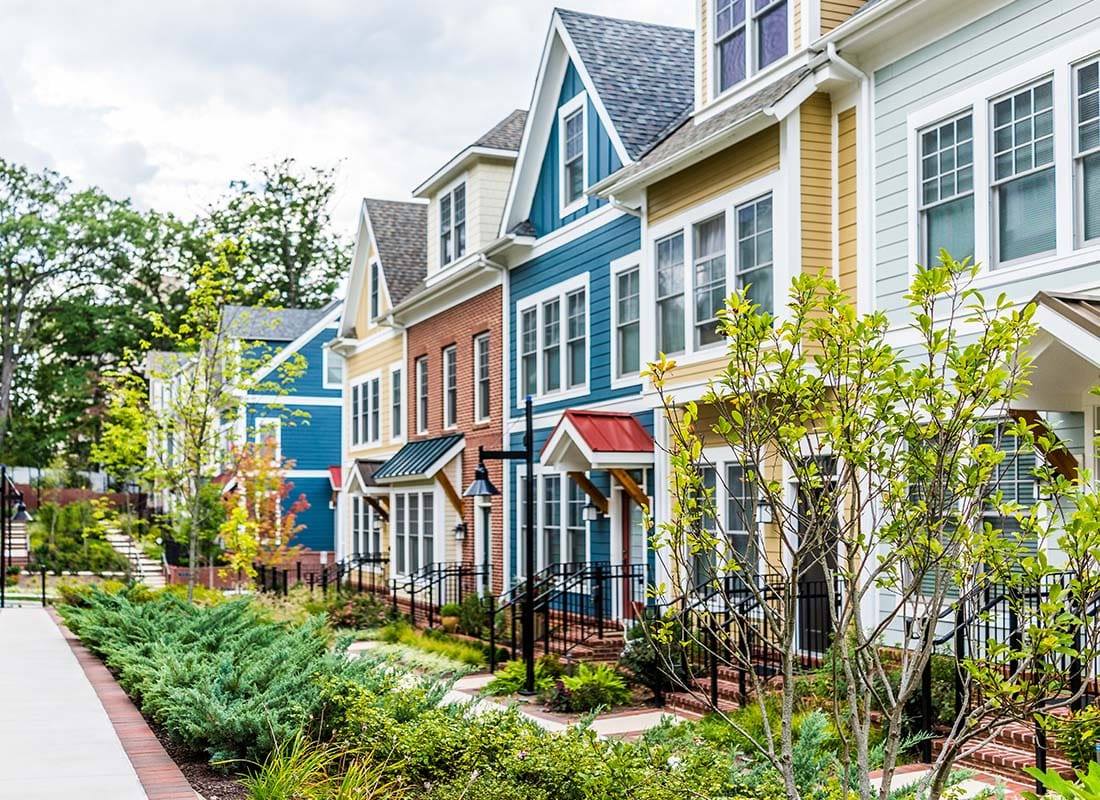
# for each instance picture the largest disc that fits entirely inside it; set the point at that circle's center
(763, 511)
(460, 531)
(590, 512)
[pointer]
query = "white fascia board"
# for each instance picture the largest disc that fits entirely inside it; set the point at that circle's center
(363, 241)
(458, 164)
(1082, 342)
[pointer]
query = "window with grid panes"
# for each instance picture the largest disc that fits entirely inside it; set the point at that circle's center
(450, 387)
(396, 410)
(452, 225)
(529, 351)
(710, 278)
(551, 345)
(577, 342)
(754, 252)
(740, 51)
(422, 394)
(947, 189)
(551, 519)
(375, 397)
(670, 294)
(573, 160)
(627, 323)
(481, 377)
(1087, 143)
(576, 541)
(740, 518)
(1023, 172)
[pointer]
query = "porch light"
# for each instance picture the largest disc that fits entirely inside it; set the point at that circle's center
(376, 523)
(482, 486)
(460, 530)
(590, 512)
(763, 510)
(21, 514)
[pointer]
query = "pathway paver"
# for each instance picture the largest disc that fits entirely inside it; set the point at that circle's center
(56, 739)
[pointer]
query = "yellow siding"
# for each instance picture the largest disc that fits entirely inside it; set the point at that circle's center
(746, 161)
(796, 22)
(704, 47)
(362, 311)
(846, 200)
(817, 184)
(834, 12)
(376, 359)
(691, 374)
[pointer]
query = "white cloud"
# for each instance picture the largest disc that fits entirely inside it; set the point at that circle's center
(167, 101)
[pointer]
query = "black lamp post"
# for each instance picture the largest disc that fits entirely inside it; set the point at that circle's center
(9, 495)
(483, 487)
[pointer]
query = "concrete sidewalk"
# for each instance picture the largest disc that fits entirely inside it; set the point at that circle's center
(56, 740)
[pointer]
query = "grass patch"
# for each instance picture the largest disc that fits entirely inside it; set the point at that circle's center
(433, 642)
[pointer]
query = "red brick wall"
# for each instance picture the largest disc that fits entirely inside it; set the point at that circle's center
(458, 326)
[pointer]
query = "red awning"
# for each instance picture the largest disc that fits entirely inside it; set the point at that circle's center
(334, 477)
(602, 439)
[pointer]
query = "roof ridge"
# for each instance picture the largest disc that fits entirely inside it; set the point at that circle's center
(590, 15)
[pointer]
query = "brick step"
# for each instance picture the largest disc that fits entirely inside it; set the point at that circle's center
(1006, 761)
(686, 702)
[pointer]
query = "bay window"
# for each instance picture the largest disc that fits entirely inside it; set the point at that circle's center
(1087, 148)
(710, 278)
(670, 293)
(947, 190)
(1023, 173)
(627, 323)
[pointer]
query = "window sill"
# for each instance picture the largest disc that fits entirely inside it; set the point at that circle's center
(554, 397)
(575, 206)
(1021, 270)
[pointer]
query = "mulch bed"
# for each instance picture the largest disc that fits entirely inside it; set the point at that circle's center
(204, 779)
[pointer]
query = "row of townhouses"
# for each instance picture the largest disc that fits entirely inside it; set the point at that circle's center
(657, 170)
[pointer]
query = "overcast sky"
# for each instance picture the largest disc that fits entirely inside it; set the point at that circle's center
(166, 101)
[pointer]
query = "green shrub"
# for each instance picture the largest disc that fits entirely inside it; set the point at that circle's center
(358, 611)
(450, 610)
(1077, 734)
(435, 642)
(511, 678)
(588, 689)
(651, 655)
(471, 616)
(69, 538)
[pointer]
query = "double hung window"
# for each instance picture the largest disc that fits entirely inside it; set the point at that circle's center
(576, 344)
(450, 387)
(755, 254)
(397, 412)
(947, 189)
(375, 306)
(1087, 149)
(366, 411)
(529, 352)
(627, 323)
(710, 278)
(748, 36)
(573, 157)
(414, 530)
(422, 394)
(481, 377)
(670, 294)
(1023, 172)
(553, 343)
(452, 225)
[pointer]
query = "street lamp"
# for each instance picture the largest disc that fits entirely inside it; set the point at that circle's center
(483, 487)
(9, 494)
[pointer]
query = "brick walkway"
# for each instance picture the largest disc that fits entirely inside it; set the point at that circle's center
(66, 728)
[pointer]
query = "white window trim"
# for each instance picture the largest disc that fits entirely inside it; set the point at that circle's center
(450, 351)
(620, 265)
(374, 270)
(721, 459)
(727, 203)
(1058, 64)
(258, 426)
(326, 359)
(422, 425)
(751, 71)
(448, 191)
(438, 540)
(559, 292)
(1079, 159)
(398, 387)
(362, 386)
(579, 102)
(542, 471)
(477, 376)
(923, 209)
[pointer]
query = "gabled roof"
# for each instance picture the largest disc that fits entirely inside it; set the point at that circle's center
(585, 439)
(420, 459)
(644, 73)
(689, 134)
(506, 134)
(1082, 310)
(272, 324)
(401, 237)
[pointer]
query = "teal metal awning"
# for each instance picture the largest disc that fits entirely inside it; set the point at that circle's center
(421, 459)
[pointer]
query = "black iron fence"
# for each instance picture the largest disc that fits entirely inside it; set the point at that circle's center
(437, 584)
(359, 573)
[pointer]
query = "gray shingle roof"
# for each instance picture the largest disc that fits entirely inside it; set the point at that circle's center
(644, 73)
(417, 459)
(689, 134)
(506, 134)
(401, 233)
(271, 324)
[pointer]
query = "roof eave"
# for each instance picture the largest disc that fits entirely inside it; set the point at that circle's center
(459, 162)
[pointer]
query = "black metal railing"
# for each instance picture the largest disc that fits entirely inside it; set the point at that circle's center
(727, 630)
(360, 573)
(435, 585)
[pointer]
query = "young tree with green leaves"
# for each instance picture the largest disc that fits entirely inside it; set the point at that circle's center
(197, 392)
(879, 471)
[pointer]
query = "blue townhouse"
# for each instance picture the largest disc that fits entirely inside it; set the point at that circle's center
(305, 417)
(607, 90)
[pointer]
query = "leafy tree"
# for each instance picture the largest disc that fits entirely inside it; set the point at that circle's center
(259, 522)
(896, 457)
(197, 391)
(290, 253)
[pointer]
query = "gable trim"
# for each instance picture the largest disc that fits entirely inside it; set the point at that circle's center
(327, 321)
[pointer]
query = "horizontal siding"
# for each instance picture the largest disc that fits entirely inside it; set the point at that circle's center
(815, 121)
(318, 521)
(310, 439)
(737, 165)
(592, 253)
(311, 382)
(378, 358)
(690, 374)
(1010, 36)
(834, 12)
(489, 183)
(846, 200)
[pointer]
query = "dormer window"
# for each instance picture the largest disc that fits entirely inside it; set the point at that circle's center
(748, 36)
(452, 225)
(574, 153)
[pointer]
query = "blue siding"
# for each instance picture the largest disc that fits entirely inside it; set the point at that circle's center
(592, 253)
(310, 437)
(602, 161)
